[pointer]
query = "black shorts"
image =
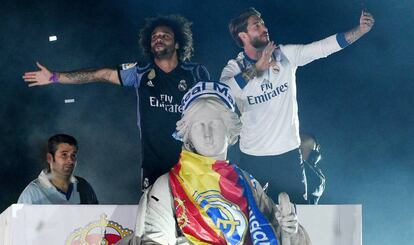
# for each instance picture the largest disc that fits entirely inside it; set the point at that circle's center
(283, 173)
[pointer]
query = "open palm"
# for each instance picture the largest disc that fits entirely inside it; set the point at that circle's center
(36, 78)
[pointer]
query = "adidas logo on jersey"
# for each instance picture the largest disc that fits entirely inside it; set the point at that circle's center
(150, 83)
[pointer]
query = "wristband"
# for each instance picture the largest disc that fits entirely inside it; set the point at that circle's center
(340, 38)
(54, 78)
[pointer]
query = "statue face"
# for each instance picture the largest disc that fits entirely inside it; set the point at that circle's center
(208, 133)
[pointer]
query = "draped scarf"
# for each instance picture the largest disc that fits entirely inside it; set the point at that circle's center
(214, 203)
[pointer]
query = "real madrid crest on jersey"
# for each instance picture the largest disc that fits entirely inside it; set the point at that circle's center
(278, 57)
(151, 75)
(182, 85)
(275, 68)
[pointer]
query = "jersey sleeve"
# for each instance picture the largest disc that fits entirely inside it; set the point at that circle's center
(231, 76)
(127, 74)
(30, 195)
(300, 55)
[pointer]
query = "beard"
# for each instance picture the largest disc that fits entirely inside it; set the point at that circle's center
(166, 52)
(259, 43)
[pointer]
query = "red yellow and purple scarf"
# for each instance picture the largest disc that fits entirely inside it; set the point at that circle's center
(214, 203)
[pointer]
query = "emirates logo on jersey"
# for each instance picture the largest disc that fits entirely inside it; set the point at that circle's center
(269, 92)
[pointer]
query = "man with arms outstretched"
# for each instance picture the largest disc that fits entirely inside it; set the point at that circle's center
(160, 85)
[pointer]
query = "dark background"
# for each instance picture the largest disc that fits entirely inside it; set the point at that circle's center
(359, 102)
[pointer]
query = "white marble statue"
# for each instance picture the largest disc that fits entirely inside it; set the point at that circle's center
(206, 200)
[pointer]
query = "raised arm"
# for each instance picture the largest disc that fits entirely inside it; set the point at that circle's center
(366, 22)
(300, 55)
(44, 76)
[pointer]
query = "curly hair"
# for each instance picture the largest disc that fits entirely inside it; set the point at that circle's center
(182, 34)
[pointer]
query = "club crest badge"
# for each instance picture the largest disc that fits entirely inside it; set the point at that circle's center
(151, 74)
(227, 217)
(102, 231)
(182, 85)
(275, 68)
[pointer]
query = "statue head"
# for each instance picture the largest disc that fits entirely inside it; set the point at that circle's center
(208, 124)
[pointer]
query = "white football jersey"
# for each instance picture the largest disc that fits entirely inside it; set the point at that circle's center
(267, 103)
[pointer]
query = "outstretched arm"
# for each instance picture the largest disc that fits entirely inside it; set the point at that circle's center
(366, 22)
(44, 76)
(300, 55)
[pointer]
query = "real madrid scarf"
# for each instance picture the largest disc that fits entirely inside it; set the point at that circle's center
(214, 203)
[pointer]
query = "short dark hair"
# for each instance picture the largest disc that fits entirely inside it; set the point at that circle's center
(55, 140)
(182, 34)
(239, 24)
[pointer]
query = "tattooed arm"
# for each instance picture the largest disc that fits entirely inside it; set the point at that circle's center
(366, 22)
(44, 76)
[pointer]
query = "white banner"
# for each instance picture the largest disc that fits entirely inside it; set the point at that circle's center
(332, 224)
(66, 224)
(106, 224)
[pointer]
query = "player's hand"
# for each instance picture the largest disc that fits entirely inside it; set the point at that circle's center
(286, 215)
(366, 22)
(36, 78)
(266, 61)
